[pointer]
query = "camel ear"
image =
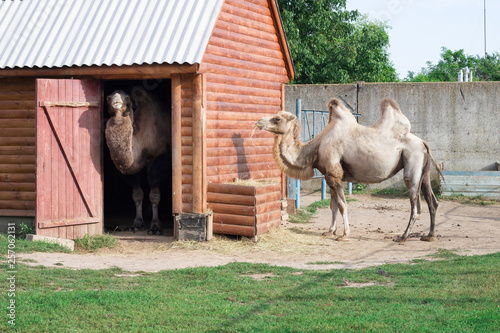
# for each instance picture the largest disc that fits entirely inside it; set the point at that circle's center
(288, 116)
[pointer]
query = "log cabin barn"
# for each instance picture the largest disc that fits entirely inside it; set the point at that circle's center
(219, 65)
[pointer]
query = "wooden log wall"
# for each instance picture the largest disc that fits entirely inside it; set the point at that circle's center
(245, 71)
(244, 210)
(17, 147)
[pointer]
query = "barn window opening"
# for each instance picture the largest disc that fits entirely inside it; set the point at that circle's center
(119, 194)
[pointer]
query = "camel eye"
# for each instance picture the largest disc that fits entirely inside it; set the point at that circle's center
(277, 119)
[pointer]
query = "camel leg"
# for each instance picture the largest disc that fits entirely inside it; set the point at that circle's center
(154, 197)
(334, 181)
(334, 208)
(137, 196)
(432, 203)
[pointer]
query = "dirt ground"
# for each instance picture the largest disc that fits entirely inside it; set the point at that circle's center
(465, 228)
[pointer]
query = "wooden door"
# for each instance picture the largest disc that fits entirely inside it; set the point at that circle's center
(69, 170)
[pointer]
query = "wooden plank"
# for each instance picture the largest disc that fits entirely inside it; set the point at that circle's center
(267, 207)
(19, 114)
(272, 175)
(232, 209)
(239, 151)
(17, 168)
(245, 18)
(107, 72)
(26, 141)
(266, 110)
(268, 217)
(238, 159)
(240, 82)
(246, 39)
(243, 99)
(17, 177)
(15, 212)
(176, 145)
(67, 223)
(70, 104)
(18, 159)
(236, 133)
(211, 66)
(239, 168)
(239, 142)
(17, 132)
(229, 229)
(215, 87)
(16, 195)
(17, 95)
(17, 123)
(231, 219)
(17, 104)
(261, 8)
(17, 204)
(274, 196)
(14, 186)
(244, 200)
(265, 227)
(231, 189)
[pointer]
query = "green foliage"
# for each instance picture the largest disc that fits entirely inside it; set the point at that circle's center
(25, 229)
(96, 242)
(458, 294)
(485, 68)
(330, 44)
(305, 214)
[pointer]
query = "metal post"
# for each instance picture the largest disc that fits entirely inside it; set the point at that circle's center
(323, 189)
(297, 181)
(349, 191)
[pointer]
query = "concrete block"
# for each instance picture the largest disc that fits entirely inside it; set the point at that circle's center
(61, 241)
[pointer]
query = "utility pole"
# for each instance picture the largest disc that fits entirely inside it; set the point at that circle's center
(484, 4)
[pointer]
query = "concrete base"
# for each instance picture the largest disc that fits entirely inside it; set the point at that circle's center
(63, 242)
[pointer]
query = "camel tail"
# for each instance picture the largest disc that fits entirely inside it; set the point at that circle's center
(438, 169)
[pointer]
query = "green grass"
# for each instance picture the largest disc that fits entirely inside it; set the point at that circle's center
(24, 246)
(95, 242)
(304, 215)
(461, 294)
(459, 197)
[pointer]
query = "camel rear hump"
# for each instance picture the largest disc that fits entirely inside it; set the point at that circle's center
(392, 119)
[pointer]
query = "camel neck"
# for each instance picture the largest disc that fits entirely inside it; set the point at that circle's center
(119, 137)
(295, 158)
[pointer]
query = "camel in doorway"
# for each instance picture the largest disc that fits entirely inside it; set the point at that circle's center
(347, 151)
(138, 138)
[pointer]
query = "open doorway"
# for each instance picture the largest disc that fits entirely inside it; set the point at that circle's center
(119, 207)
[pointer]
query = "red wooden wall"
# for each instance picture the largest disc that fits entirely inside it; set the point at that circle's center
(245, 69)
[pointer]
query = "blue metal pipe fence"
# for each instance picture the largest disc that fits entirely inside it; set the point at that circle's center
(312, 123)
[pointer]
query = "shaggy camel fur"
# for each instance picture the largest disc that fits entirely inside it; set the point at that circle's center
(139, 139)
(347, 151)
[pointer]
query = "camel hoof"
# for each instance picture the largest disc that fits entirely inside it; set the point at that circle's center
(154, 231)
(427, 239)
(399, 239)
(134, 229)
(327, 233)
(343, 238)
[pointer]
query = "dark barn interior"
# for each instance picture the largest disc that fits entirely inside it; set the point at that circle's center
(119, 208)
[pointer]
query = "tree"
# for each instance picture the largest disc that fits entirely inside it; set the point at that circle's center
(330, 44)
(451, 62)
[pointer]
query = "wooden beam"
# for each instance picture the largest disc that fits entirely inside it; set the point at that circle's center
(105, 72)
(176, 145)
(199, 145)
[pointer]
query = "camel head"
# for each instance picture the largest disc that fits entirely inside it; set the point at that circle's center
(278, 124)
(119, 104)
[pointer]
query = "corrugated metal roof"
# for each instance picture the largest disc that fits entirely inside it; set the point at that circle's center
(56, 33)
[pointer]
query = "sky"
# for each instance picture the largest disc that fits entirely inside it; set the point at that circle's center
(419, 28)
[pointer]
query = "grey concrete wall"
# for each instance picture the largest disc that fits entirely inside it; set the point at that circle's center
(460, 121)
